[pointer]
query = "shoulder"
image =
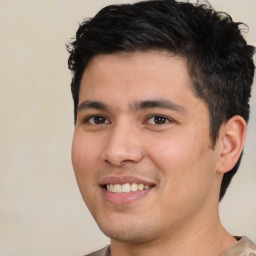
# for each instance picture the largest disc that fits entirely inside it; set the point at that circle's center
(249, 247)
(102, 252)
(244, 247)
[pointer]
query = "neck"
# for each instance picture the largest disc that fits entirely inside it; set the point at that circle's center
(207, 238)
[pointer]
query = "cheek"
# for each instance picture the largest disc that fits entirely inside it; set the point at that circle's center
(187, 174)
(84, 152)
(78, 153)
(83, 157)
(83, 160)
(170, 153)
(182, 159)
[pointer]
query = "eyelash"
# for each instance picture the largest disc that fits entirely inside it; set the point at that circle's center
(166, 119)
(161, 117)
(87, 119)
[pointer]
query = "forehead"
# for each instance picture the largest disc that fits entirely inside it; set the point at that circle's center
(135, 73)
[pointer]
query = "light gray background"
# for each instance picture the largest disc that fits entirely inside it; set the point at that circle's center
(41, 210)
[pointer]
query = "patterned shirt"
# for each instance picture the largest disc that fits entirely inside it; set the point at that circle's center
(244, 247)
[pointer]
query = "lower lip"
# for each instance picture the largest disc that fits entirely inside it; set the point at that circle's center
(124, 198)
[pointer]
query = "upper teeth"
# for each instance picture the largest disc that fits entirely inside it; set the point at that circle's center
(126, 188)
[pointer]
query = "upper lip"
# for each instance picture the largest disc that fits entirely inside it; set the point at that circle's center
(124, 179)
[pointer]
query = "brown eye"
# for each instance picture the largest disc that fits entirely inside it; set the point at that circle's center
(98, 120)
(158, 120)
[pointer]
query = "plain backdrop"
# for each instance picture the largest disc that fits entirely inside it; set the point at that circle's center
(41, 210)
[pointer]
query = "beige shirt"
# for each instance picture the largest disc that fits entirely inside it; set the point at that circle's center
(244, 247)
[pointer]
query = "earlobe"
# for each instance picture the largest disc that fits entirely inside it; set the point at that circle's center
(232, 138)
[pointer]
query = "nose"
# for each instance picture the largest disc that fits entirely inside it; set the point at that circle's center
(123, 146)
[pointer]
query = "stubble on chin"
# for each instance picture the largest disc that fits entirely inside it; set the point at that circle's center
(131, 233)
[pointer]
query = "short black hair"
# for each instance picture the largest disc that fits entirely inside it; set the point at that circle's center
(219, 61)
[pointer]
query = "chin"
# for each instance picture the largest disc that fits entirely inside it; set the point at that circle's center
(130, 232)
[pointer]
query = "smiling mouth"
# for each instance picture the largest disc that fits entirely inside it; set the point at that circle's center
(126, 188)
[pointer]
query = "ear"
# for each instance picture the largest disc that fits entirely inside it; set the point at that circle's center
(231, 141)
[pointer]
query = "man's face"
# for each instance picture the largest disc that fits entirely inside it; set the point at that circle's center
(139, 122)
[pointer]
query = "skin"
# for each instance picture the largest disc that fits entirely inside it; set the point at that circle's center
(118, 137)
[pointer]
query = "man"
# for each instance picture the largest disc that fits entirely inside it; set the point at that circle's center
(161, 93)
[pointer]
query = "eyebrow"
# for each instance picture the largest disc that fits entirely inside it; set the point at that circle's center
(135, 106)
(88, 104)
(158, 103)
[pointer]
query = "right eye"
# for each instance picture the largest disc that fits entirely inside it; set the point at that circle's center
(95, 120)
(158, 120)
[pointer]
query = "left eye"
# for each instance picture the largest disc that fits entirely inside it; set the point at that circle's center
(98, 120)
(158, 120)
